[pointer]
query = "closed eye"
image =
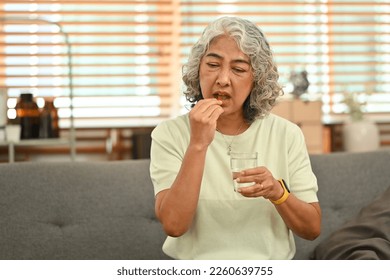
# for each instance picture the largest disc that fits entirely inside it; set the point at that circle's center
(239, 70)
(212, 65)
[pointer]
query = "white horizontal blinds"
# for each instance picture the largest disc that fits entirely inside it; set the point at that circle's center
(127, 54)
(359, 34)
(121, 57)
(344, 45)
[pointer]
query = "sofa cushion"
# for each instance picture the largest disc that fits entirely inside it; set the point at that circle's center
(78, 210)
(347, 182)
(367, 236)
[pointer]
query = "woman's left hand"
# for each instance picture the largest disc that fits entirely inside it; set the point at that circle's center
(303, 218)
(265, 184)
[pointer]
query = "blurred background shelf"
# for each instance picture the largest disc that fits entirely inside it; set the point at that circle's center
(91, 144)
(35, 143)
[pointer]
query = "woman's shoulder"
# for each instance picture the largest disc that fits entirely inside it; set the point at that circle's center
(277, 121)
(275, 124)
(172, 125)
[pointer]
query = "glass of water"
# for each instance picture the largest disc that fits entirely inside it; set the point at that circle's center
(240, 162)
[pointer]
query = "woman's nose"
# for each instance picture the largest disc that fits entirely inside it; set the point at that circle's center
(223, 78)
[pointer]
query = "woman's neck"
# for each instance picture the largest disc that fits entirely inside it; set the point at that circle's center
(229, 126)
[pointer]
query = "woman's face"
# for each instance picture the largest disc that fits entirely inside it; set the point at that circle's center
(225, 73)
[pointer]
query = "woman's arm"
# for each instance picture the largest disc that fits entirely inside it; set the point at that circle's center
(175, 207)
(304, 219)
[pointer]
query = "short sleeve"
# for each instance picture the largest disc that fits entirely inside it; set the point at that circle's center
(302, 180)
(169, 142)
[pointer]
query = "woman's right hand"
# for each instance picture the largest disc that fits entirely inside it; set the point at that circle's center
(175, 207)
(203, 121)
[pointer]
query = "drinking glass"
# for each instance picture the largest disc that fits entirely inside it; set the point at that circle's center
(240, 162)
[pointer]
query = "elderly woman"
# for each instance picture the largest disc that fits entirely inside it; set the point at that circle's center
(232, 79)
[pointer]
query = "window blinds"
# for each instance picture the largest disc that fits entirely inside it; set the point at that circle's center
(344, 45)
(121, 53)
(127, 55)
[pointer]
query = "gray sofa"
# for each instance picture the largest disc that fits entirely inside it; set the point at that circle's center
(105, 210)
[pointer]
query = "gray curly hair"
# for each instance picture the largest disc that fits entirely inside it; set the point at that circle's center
(253, 43)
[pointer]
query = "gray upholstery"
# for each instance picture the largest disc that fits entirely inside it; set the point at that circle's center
(105, 210)
(366, 237)
(78, 211)
(347, 182)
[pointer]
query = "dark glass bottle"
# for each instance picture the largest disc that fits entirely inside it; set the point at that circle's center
(49, 120)
(27, 112)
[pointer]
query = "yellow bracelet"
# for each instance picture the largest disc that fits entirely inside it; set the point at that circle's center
(286, 193)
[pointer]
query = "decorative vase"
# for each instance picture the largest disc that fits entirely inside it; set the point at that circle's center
(360, 136)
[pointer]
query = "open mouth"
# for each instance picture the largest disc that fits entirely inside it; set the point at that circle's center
(220, 96)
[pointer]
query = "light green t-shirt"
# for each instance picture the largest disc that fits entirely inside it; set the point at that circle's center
(228, 225)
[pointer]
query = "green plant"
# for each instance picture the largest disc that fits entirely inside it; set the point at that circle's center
(355, 105)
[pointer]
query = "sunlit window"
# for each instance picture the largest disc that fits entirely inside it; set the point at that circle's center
(126, 55)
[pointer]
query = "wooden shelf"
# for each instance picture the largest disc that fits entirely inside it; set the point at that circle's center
(90, 144)
(33, 143)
